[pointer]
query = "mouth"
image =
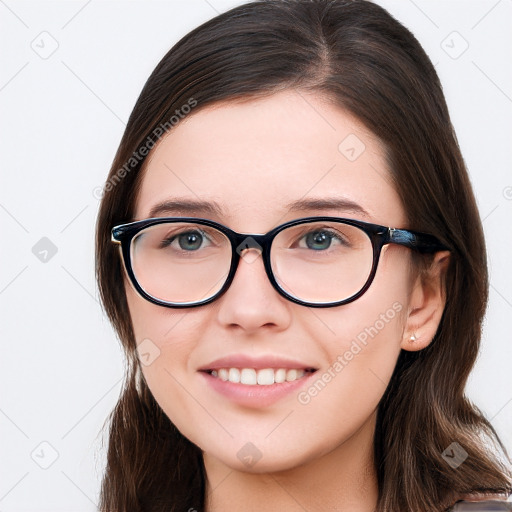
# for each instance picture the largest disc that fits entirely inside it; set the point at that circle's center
(256, 382)
(259, 377)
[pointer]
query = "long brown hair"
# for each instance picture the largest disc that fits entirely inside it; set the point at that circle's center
(362, 59)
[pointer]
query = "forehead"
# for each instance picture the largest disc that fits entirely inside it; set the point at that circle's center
(255, 158)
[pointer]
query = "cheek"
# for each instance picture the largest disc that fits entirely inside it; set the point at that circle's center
(374, 322)
(165, 339)
(361, 341)
(167, 328)
(361, 347)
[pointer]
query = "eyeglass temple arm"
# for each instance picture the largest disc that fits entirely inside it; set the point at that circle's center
(414, 240)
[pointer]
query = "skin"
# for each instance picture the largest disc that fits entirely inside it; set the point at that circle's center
(252, 158)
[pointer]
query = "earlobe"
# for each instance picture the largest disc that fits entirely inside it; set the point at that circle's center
(426, 304)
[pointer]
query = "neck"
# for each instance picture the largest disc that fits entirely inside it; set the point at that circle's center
(343, 479)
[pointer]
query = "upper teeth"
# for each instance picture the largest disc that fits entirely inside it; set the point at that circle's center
(264, 377)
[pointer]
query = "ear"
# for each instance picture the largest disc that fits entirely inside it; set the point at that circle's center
(426, 304)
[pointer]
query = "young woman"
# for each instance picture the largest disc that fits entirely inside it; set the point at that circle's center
(290, 251)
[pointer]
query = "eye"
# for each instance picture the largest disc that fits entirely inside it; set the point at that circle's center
(187, 240)
(320, 240)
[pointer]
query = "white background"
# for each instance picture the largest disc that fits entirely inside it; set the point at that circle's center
(62, 118)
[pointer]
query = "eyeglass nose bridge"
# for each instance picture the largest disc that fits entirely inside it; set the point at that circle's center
(250, 247)
(255, 244)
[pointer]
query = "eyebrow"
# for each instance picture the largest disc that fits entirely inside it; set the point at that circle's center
(190, 207)
(327, 204)
(186, 207)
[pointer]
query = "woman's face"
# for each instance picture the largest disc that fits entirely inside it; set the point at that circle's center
(253, 159)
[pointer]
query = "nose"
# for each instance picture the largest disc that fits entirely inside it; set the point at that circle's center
(251, 302)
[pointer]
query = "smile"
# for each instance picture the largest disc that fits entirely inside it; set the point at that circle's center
(261, 377)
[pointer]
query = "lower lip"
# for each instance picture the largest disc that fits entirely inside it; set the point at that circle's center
(256, 395)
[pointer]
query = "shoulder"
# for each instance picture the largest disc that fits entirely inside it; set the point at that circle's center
(482, 504)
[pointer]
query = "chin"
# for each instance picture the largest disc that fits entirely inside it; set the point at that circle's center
(260, 457)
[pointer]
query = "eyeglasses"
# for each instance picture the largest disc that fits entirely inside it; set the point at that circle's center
(314, 261)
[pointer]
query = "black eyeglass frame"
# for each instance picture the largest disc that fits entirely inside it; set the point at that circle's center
(379, 236)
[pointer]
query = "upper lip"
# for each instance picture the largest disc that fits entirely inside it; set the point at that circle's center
(258, 363)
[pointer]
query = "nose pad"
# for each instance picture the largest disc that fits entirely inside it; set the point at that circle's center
(249, 249)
